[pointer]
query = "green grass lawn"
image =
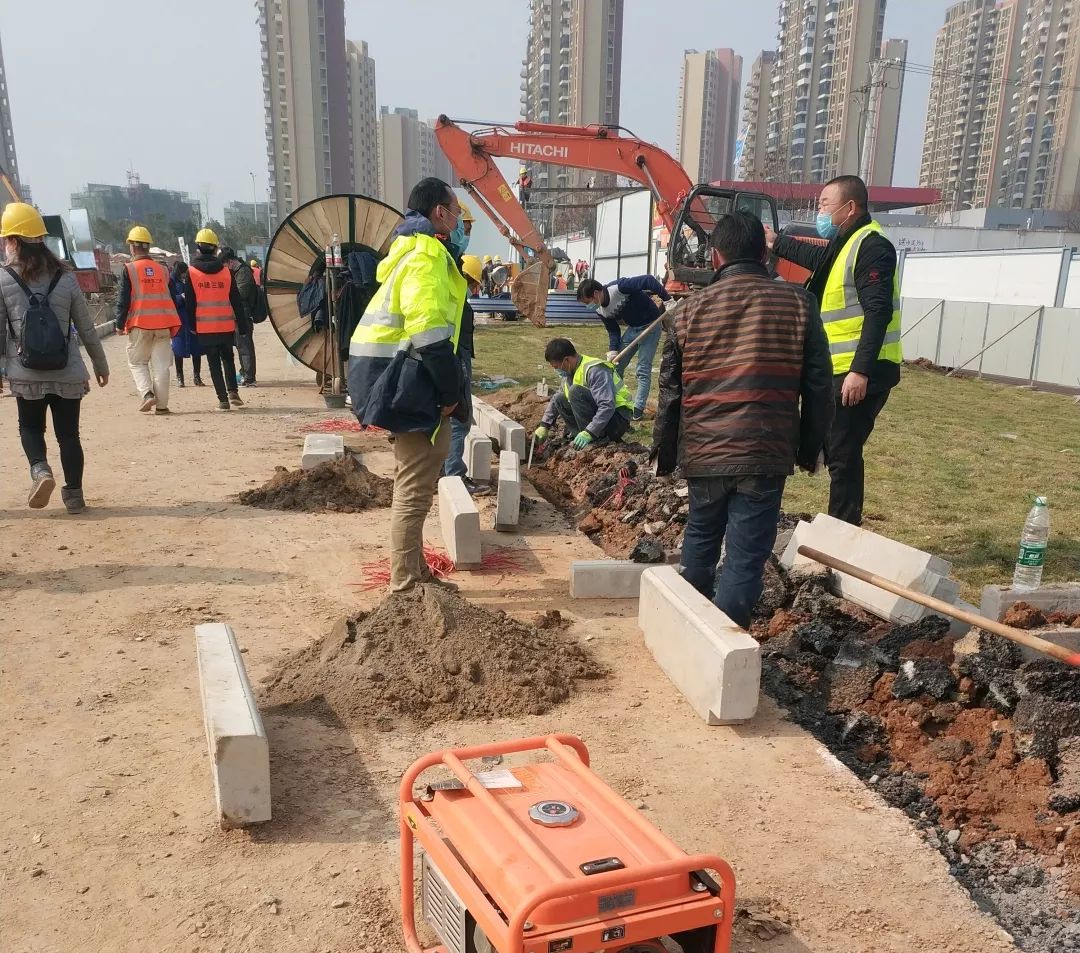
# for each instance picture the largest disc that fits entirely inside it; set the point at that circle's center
(941, 474)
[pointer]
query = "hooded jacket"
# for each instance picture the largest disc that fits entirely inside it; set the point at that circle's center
(211, 265)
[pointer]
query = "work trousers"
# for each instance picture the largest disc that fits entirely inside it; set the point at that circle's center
(149, 355)
(740, 512)
(245, 347)
(196, 366)
(646, 356)
(851, 428)
(578, 412)
(417, 461)
(65, 418)
(455, 459)
(218, 349)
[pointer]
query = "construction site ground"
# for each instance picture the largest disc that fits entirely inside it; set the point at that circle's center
(110, 841)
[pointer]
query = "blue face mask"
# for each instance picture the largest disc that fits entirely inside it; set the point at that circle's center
(825, 226)
(458, 238)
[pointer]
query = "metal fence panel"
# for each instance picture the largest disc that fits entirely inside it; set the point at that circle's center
(922, 338)
(963, 332)
(1011, 356)
(1059, 348)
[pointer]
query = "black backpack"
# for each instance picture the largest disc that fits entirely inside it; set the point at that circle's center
(260, 312)
(42, 345)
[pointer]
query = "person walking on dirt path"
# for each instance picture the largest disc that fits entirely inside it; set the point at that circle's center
(247, 286)
(35, 284)
(186, 342)
(629, 300)
(146, 313)
(855, 280)
(593, 402)
(256, 271)
(404, 372)
(745, 395)
(213, 305)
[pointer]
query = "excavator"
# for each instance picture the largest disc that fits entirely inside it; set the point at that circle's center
(688, 211)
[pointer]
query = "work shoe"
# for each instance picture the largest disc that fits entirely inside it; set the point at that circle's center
(248, 384)
(148, 401)
(223, 405)
(162, 410)
(234, 399)
(441, 583)
(73, 499)
(475, 488)
(44, 484)
(637, 414)
(179, 382)
(198, 381)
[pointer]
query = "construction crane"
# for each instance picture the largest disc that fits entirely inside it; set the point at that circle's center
(688, 211)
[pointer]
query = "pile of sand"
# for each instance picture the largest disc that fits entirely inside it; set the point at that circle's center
(343, 486)
(431, 656)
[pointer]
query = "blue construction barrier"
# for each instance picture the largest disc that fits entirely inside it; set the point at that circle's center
(562, 308)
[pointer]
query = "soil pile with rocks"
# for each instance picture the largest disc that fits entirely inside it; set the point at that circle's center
(431, 656)
(980, 747)
(341, 486)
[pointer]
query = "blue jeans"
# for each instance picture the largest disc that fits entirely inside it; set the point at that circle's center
(646, 354)
(741, 511)
(455, 459)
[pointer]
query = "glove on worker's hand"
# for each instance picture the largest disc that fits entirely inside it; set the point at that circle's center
(611, 355)
(540, 433)
(582, 440)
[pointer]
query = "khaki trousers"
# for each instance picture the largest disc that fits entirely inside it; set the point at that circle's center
(417, 460)
(150, 358)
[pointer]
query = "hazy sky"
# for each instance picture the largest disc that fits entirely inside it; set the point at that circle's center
(174, 90)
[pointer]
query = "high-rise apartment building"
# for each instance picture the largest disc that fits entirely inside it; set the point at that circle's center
(750, 146)
(306, 100)
(708, 123)
(572, 72)
(408, 152)
(7, 134)
(820, 90)
(364, 124)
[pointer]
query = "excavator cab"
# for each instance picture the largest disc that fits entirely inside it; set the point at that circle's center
(689, 257)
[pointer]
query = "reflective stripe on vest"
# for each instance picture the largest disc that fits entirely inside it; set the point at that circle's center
(381, 331)
(843, 315)
(151, 307)
(213, 311)
(622, 395)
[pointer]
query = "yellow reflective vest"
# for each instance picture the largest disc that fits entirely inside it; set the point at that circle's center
(623, 399)
(843, 315)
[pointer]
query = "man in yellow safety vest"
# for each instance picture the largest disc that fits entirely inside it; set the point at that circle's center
(855, 280)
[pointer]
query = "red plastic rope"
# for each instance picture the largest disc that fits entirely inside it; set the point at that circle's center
(497, 559)
(340, 425)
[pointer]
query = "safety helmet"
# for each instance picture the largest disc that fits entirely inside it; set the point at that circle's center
(22, 221)
(140, 234)
(470, 265)
(487, 259)
(523, 171)
(254, 262)
(466, 213)
(207, 236)
(496, 260)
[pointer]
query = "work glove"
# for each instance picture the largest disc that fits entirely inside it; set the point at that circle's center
(540, 433)
(611, 355)
(582, 440)
(671, 304)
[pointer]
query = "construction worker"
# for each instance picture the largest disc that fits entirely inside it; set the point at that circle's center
(404, 374)
(145, 311)
(745, 396)
(593, 401)
(630, 301)
(485, 276)
(244, 280)
(854, 279)
(213, 304)
(256, 271)
(524, 185)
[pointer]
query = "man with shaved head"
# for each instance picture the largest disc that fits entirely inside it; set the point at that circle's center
(854, 279)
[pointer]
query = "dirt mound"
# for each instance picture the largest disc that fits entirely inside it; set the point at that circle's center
(342, 486)
(431, 656)
(525, 406)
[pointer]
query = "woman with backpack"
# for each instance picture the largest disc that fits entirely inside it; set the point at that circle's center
(40, 302)
(186, 342)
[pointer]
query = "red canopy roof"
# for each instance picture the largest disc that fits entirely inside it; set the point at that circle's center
(883, 198)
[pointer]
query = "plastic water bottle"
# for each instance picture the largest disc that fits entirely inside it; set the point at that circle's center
(1033, 540)
(335, 244)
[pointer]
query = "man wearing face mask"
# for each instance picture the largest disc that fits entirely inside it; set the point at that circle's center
(404, 374)
(854, 279)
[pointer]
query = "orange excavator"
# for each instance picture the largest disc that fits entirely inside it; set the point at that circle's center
(688, 211)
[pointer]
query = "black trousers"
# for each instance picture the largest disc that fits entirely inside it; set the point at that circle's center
(245, 346)
(219, 355)
(196, 365)
(65, 418)
(851, 428)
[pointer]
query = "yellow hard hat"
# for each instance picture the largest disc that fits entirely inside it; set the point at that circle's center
(466, 213)
(496, 260)
(487, 259)
(523, 171)
(470, 265)
(254, 262)
(207, 236)
(140, 234)
(22, 221)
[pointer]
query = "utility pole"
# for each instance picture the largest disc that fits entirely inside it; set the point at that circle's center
(873, 108)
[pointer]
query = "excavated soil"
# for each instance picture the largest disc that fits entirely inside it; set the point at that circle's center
(431, 656)
(978, 746)
(341, 486)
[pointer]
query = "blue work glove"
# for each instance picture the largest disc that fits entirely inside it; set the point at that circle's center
(582, 440)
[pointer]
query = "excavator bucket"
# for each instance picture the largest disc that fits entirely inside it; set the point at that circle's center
(529, 292)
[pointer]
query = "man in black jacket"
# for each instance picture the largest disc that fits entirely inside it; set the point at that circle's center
(244, 279)
(854, 279)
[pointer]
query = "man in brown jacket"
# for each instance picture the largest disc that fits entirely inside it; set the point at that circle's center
(745, 395)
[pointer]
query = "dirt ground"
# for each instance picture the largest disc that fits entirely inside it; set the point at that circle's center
(109, 837)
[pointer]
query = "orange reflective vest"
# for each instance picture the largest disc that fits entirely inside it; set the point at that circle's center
(151, 307)
(213, 311)
(257, 272)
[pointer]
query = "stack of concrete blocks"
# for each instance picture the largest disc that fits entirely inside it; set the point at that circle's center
(509, 434)
(1062, 597)
(902, 564)
(508, 499)
(459, 521)
(715, 664)
(606, 579)
(239, 751)
(321, 448)
(478, 455)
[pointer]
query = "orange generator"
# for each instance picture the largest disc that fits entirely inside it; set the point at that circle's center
(545, 858)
